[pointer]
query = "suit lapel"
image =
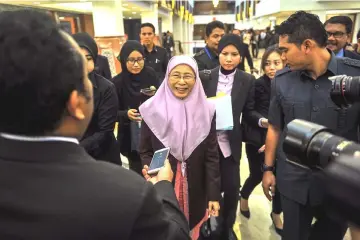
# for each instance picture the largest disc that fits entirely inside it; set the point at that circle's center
(214, 82)
(237, 85)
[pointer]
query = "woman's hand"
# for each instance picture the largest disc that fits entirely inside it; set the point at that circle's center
(262, 149)
(214, 208)
(165, 173)
(133, 115)
(264, 123)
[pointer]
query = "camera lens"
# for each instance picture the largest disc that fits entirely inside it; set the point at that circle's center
(345, 90)
(298, 137)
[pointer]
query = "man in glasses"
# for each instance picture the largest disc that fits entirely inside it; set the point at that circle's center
(339, 29)
(155, 56)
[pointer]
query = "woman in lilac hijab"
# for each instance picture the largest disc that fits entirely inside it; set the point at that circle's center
(180, 117)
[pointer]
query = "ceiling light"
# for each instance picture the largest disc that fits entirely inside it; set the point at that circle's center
(61, 18)
(130, 17)
(133, 12)
(36, 3)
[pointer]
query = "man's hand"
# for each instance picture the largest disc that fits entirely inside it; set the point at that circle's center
(268, 184)
(214, 208)
(165, 173)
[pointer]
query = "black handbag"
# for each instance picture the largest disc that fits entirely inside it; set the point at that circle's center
(211, 229)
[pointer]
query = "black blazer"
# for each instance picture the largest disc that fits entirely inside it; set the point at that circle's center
(242, 96)
(60, 192)
(102, 67)
(256, 135)
(352, 55)
(99, 140)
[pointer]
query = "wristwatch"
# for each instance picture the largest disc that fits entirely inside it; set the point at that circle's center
(265, 168)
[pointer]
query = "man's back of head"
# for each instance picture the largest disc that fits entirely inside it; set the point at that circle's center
(43, 82)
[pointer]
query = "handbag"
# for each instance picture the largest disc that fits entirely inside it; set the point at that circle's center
(135, 128)
(211, 229)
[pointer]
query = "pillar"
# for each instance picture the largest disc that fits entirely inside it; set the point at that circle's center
(109, 31)
(153, 18)
(178, 34)
(167, 23)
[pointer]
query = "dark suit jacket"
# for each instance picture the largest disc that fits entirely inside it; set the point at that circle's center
(99, 140)
(203, 171)
(242, 96)
(55, 190)
(352, 55)
(102, 67)
(245, 54)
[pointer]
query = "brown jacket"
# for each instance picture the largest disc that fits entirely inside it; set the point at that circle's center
(202, 170)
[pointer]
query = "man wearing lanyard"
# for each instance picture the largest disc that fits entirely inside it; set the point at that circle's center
(207, 58)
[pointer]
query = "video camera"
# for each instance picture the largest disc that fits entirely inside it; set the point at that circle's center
(314, 146)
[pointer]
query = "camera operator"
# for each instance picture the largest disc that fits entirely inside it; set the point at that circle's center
(302, 91)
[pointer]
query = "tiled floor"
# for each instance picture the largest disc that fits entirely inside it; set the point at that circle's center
(259, 226)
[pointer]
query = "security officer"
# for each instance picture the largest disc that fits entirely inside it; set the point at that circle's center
(302, 92)
(208, 58)
(155, 56)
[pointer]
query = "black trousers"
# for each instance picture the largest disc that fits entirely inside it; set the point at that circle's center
(135, 162)
(255, 160)
(298, 219)
(254, 50)
(230, 184)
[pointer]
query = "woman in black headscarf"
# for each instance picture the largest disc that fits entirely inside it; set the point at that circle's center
(129, 84)
(99, 140)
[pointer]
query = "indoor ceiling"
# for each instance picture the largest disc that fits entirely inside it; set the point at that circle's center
(131, 9)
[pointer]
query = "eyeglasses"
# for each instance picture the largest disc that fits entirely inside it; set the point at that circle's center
(185, 77)
(139, 60)
(335, 34)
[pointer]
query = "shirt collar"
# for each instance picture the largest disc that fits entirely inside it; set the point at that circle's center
(153, 50)
(340, 53)
(332, 66)
(38, 138)
(231, 75)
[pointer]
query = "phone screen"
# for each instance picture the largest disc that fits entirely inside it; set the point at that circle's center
(158, 160)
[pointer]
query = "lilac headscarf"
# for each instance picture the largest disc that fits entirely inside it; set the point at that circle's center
(179, 124)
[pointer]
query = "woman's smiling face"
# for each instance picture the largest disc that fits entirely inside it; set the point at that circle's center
(181, 80)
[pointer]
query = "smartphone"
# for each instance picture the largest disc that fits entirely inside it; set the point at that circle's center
(147, 90)
(158, 160)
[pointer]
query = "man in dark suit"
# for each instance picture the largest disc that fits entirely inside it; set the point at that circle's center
(50, 187)
(339, 29)
(102, 67)
(240, 86)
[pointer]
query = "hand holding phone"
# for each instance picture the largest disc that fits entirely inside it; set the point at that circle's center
(165, 173)
(148, 91)
(158, 160)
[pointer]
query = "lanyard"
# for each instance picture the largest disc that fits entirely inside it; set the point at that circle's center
(207, 52)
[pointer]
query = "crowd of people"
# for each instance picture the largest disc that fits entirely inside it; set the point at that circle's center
(60, 159)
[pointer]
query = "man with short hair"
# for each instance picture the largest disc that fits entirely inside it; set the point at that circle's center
(155, 56)
(338, 30)
(50, 187)
(301, 91)
(208, 58)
